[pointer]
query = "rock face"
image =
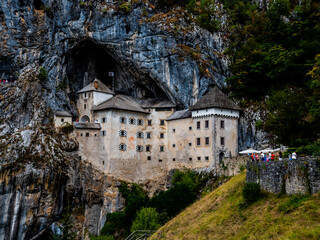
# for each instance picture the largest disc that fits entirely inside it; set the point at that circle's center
(78, 41)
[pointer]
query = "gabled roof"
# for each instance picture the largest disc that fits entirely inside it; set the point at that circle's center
(62, 114)
(97, 86)
(180, 115)
(155, 103)
(215, 98)
(121, 102)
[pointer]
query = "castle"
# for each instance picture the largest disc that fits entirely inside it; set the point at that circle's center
(139, 139)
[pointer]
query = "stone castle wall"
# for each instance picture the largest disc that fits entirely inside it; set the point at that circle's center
(290, 177)
(231, 166)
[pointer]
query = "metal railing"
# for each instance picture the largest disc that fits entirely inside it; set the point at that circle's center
(144, 235)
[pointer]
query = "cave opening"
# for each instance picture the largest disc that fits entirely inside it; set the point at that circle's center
(38, 4)
(89, 60)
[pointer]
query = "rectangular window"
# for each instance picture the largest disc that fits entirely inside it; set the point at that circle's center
(103, 120)
(173, 159)
(198, 141)
(160, 160)
(161, 135)
(85, 106)
(161, 148)
(222, 124)
(190, 159)
(149, 122)
(190, 144)
(123, 120)
(148, 147)
(140, 122)
(173, 145)
(62, 119)
(139, 148)
(162, 122)
(199, 158)
(149, 158)
(140, 135)
(148, 135)
(207, 141)
(103, 133)
(222, 141)
(87, 134)
(206, 124)
(85, 95)
(198, 125)
(190, 128)
(174, 130)
(206, 158)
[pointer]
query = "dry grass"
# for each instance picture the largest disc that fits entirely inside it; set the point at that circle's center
(220, 215)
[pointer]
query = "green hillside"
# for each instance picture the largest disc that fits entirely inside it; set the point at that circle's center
(222, 214)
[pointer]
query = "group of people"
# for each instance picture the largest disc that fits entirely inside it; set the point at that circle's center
(265, 157)
(270, 156)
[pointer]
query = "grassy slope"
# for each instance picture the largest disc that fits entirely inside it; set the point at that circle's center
(218, 216)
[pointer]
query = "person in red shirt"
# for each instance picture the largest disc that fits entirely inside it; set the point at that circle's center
(272, 157)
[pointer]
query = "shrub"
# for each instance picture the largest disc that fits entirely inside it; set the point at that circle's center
(242, 167)
(43, 74)
(251, 192)
(67, 128)
(147, 219)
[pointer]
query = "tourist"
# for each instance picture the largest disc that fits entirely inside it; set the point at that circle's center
(294, 156)
(280, 156)
(257, 157)
(252, 157)
(290, 156)
(272, 157)
(262, 156)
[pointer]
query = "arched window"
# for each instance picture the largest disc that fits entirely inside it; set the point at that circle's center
(84, 118)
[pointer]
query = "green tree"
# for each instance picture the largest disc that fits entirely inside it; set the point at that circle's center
(147, 219)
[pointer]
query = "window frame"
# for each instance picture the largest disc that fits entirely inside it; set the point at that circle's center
(206, 124)
(222, 124)
(198, 125)
(222, 141)
(198, 141)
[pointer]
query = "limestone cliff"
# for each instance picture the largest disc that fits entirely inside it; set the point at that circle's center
(152, 54)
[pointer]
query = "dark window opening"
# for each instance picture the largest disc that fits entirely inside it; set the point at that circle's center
(190, 144)
(173, 159)
(87, 134)
(162, 122)
(190, 159)
(207, 141)
(222, 124)
(149, 122)
(207, 158)
(160, 160)
(190, 128)
(149, 158)
(148, 148)
(174, 130)
(206, 124)
(222, 141)
(161, 148)
(198, 141)
(148, 135)
(173, 145)
(199, 158)
(163, 109)
(198, 125)
(161, 135)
